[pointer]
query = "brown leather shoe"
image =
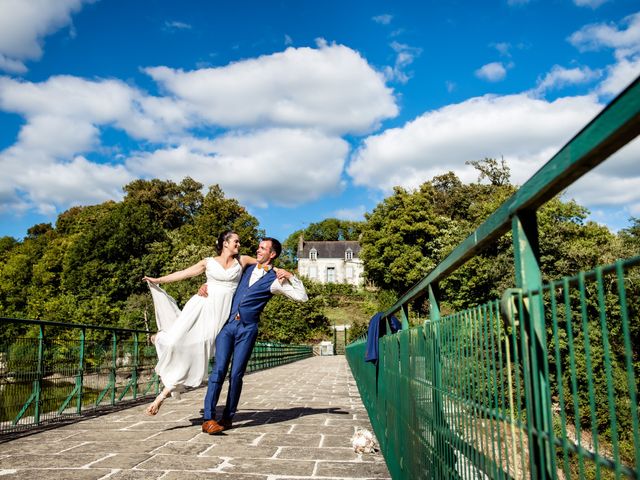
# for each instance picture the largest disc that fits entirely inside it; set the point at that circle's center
(211, 427)
(226, 423)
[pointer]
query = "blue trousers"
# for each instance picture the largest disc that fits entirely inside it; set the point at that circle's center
(236, 340)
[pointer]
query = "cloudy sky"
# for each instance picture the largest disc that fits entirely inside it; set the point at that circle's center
(303, 110)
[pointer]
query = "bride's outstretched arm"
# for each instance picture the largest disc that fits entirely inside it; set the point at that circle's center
(246, 260)
(192, 271)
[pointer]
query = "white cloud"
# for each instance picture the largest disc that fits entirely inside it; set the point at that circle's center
(405, 55)
(354, 214)
(590, 3)
(282, 166)
(174, 25)
(77, 182)
(613, 183)
(504, 48)
(330, 87)
(526, 131)
(492, 72)
(597, 36)
(619, 76)
(24, 24)
(286, 112)
(560, 77)
(384, 19)
(624, 40)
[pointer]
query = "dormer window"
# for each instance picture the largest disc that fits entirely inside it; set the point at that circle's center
(348, 254)
(313, 254)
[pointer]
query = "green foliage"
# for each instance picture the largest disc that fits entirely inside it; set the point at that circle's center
(287, 321)
(88, 269)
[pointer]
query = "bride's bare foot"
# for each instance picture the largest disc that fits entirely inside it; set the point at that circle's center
(154, 408)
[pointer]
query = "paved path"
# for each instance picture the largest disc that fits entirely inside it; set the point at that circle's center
(294, 422)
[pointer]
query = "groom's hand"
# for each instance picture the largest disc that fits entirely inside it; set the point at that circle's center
(282, 274)
(203, 291)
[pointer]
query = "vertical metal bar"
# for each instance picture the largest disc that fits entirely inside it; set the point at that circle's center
(498, 373)
(114, 366)
(559, 380)
(345, 338)
(574, 379)
(528, 277)
(442, 428)
(134, 373)
(39, 375)
(80, 374)
(404, 316)
(608, 373)
(335, 340)
(589, 366)
(631, 381)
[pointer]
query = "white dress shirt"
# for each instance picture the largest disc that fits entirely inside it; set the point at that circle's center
(292, 287)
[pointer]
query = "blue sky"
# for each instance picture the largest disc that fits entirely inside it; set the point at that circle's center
(303, 110)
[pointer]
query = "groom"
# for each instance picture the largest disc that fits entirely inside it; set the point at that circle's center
(236, 339)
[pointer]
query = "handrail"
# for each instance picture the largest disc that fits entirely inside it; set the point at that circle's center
(47, 323)
(445, 370)
(610, 130)
(51, 377)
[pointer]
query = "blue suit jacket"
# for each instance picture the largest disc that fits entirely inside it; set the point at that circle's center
(377, 329)
(249, 301)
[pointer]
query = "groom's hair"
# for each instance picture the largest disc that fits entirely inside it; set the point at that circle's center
(276, 246)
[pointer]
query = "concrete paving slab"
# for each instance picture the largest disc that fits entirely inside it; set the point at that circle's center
(295, 422)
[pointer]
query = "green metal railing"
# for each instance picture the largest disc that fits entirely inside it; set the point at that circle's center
(54, 371)
(529, 386)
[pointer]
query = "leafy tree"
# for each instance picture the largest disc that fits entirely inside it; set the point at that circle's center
(171, 204)
(105, 258)
(498, 173)
(6, 245)
(218, 214)
(286, 321)
(630, 237)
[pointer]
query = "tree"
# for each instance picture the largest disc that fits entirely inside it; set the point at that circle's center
(498, 174)
(218, 214)
(171, 204)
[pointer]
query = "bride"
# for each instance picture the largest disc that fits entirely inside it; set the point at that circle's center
(186, 339)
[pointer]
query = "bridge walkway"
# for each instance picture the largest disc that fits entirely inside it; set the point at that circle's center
(294, 422)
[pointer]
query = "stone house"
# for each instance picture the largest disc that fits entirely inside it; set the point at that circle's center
(330, 261)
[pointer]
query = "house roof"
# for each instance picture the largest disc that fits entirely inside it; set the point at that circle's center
(328, 249)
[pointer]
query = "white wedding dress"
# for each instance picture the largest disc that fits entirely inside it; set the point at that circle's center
(186, 339)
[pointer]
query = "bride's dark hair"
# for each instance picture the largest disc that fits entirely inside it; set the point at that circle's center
(223, 237)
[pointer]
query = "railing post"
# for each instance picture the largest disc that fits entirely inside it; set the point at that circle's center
(114, 366)
(335, 340)
(80, 374)
(134, 373)
(404, 316)
(39, 374)
(529, 278)
(442, 428)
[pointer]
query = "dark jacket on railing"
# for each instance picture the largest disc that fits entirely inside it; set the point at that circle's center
(377, 329)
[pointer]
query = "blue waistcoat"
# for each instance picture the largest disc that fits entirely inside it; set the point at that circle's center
(249, 301)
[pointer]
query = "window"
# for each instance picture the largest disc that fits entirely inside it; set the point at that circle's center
(349, 273)
(313, 272)
(348, 255)
(331, 274)
(313, 254)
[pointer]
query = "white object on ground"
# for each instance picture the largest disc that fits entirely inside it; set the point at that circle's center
(363, 441)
